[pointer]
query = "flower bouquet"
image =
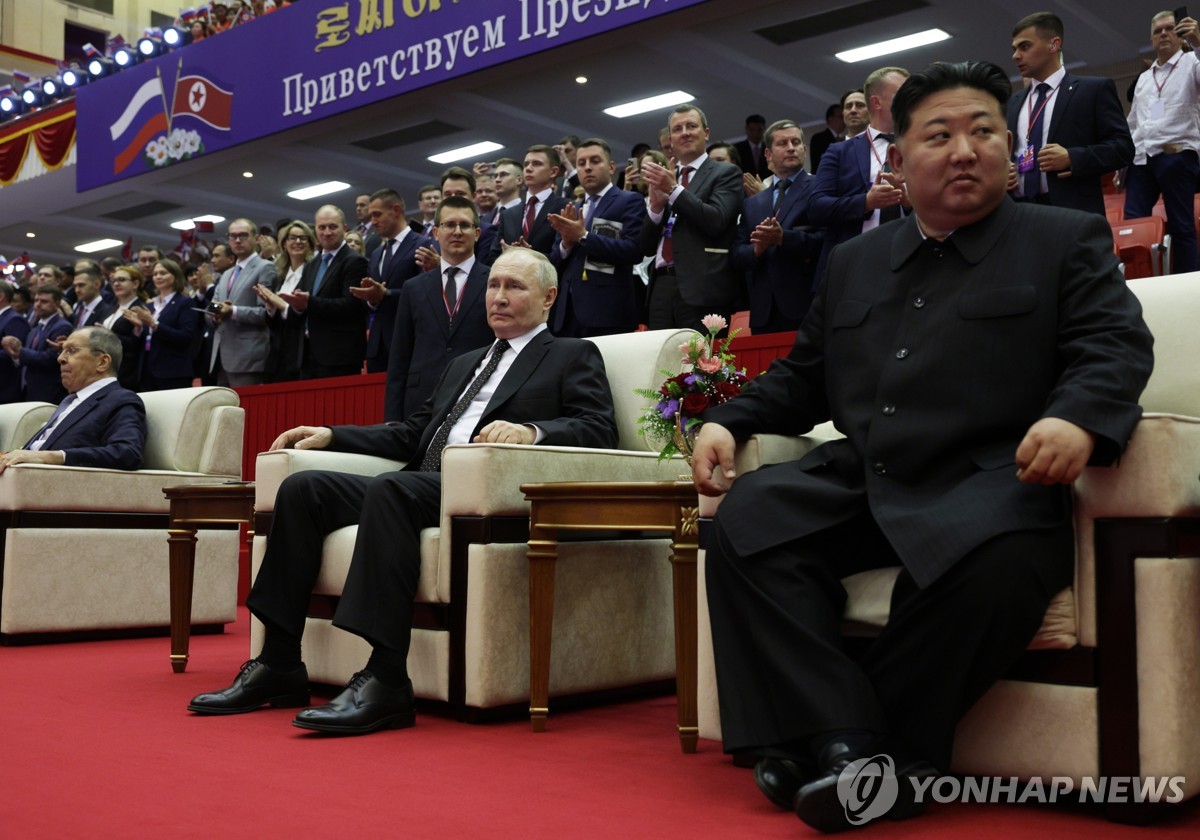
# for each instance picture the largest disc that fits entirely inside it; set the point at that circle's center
(707, 378)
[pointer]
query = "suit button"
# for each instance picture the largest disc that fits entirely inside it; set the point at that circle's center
(889, 410)
(937, 252)
(918, 303)
(902, 353)
(879, 468)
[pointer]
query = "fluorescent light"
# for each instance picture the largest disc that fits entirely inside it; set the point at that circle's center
(581, 80)
(653, 103)
(316, 190)
(908, 42)
(247, 174)
(472, 151)
(188, 224)
(31, 235)
(98, 245)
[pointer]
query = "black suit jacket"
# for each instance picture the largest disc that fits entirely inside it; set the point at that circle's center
(782, 276)
(1089, 122)
(131, 350)
(557, 383)
(174, 341)
(108, 429)
(747, 158)
(12, 323)
(401, 267)
(1020, 316)
(705, 224)
(541, 235)
(424, 340)
(103, 310)
(336, 319)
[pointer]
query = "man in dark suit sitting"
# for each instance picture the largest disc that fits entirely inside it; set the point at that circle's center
(98, 423)
(528, 387)
(1067, 130)
(977, 355)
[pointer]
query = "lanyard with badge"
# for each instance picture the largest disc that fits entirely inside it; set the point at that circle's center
(1157, 109)
(1026, 162)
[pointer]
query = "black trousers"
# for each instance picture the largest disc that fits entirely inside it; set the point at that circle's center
(784, 675)
(666, 308)
(390, 510)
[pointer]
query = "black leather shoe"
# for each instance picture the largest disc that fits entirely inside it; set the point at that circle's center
(364, 706)
(818, 805)
(779, 779)
(257, 685)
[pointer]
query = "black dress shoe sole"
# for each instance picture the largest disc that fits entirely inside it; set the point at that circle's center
(781, 795)
(399, 720)
(818, 806)
(282, 701)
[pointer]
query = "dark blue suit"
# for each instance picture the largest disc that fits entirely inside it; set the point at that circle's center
(12, 323)
(40, 361)
(838, 200)
(108, 429)
(781, 279)
(167, 361)
(424, 340)
(488, 231)
(1089, 123)
(541, 235)
(335, 319)
(401, 267)
(602, 302)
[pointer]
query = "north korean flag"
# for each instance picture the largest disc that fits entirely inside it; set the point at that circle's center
(203, 100)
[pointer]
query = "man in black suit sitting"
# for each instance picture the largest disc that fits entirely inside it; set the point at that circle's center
(528, 387)
(98, 423)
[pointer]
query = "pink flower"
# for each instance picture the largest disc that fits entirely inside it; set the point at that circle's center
(713, 323)
(708, 364)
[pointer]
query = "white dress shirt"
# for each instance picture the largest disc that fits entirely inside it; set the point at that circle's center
(1028, 109)
(1170, 116)
(461, 431)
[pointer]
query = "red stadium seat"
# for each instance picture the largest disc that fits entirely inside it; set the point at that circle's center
(1140, 244)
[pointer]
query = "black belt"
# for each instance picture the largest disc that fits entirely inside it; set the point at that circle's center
(665, 271)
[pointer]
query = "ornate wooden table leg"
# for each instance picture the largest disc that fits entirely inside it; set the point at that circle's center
(543, 553)
(683, 565)
(182, 546)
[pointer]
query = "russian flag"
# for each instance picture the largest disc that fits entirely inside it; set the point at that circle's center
(20, 77)
(142, 118)
(201, 99)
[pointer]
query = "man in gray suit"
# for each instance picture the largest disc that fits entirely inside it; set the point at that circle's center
(242, 342)
(977, 355)
(691, 222)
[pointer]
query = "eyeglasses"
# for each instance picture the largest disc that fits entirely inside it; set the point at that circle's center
(239, 236)
(297, 238)
(454, 226)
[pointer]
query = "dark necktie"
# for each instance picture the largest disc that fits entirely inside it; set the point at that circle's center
(668, 250)
(451, 291)
(80, 315)
(589, 207)
(888, 214)
(321, 269)
(530, 215)
(44, 432)
(780, 189)
(1032, 182)
(432, 462)
(386, 254)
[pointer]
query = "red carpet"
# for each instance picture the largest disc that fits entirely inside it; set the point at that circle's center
(96, 743)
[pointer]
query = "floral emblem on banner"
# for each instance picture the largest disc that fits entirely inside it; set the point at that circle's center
(174, 147)
(707, 378)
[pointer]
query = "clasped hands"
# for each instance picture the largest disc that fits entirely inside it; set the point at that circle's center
(139, 316)
(1053, 451)
(887, 191)
(568, 225)
(661, 181)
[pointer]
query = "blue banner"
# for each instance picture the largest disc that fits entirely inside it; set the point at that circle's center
(313, 60)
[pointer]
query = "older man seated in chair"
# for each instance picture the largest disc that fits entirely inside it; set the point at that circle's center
(98, 423)
(527, 387)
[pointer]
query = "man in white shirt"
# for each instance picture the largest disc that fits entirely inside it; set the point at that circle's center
(1165, 123)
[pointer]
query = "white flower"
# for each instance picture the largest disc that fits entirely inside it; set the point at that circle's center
(191, 142)
(156, 150)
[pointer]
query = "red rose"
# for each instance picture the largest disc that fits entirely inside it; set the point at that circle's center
(677, 381)
(727, 390)
(694, 404)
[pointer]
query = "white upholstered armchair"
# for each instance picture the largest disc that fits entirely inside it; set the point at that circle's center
(470, 645)
(1111, 683)
(85, 550)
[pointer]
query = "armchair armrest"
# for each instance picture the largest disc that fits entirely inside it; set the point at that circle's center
(271, 468)
(486, 479)
(20, 421)
(761, 450)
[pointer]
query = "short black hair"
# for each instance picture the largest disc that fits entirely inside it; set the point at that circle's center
(847, 94)
(756, 118)
(457, 173)
(1048, 25)
(832, 111)
(945, 75)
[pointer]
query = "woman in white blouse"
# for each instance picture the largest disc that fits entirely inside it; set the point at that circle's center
(298, 243)
(126, 283)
